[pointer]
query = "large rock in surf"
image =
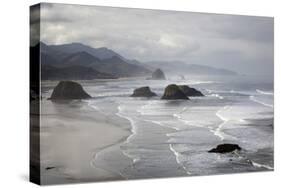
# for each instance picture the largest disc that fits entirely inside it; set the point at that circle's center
(67, 90)
(173, 92)
(189, 91)
(143, 92)
(225, 148)
(158, 74)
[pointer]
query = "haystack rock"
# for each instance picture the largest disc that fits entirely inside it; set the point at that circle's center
(190, 92)
(143, 92)
(173, 92)
(67, 90)
(225, 148)
(158, 74)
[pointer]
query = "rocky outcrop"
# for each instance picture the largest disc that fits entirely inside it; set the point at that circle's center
(143, 92)
(190, 92)
(158, 74)
(173, 92)
(225, 148)
(67, 90)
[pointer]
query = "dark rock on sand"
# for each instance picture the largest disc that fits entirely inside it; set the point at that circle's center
(225, 148)
(173, 92)
(67, 90)
(158, 74)
(189, 91)
(143, 92)
(49, 167)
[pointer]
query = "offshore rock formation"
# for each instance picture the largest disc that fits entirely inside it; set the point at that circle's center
(158, 74)
(67, 90)
(189, 91)
(225, 148)
(143, 92)
(173, 92)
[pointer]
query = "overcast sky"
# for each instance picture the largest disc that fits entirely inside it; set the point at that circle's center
(239, 43)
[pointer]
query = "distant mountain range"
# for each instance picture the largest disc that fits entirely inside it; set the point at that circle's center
(72, 73)
(78, 61)
(180, 67)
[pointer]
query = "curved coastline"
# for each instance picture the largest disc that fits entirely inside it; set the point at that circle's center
(112, 148)
(97, 160)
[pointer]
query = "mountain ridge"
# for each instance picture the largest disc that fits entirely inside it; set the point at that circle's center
(105, 61)
(77, 54)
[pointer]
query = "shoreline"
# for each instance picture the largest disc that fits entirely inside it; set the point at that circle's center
(61, 131)
(113, 144)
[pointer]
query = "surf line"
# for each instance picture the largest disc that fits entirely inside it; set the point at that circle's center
(217, 132)
(177, 155)
(96, 157)
(255, 164)
(133, 133)
(259, 102)
(263, 92)
(261, 165)
(118, 144)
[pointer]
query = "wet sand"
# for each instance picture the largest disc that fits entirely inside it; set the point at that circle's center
(71, 134)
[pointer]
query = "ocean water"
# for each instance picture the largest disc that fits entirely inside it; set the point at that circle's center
(171, 138)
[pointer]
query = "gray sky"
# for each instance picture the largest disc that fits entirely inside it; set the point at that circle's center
(239, 43)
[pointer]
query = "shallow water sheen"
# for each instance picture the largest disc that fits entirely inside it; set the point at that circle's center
(171, 138)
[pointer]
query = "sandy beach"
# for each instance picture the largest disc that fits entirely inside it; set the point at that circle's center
(67, 150)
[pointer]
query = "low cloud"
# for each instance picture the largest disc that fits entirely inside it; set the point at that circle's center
(234, 42)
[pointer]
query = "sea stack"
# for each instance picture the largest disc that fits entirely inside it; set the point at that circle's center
(173, 92)
(225, 148)
(190, 92)
(143, 92)
(67, 90)
(158, 74)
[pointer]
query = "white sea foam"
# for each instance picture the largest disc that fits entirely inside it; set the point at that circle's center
(255, 164)
(261, 165)
(260, 102)
(264, 92)
(94, 106)
(177, 116)
(218, 131)
(146, 109)
(178, 155)
(163, 125)
(132, 122)
(133, 130)
(217, 95)
(186, 122)
(243, 121)
(218, 91)
(197, 82)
